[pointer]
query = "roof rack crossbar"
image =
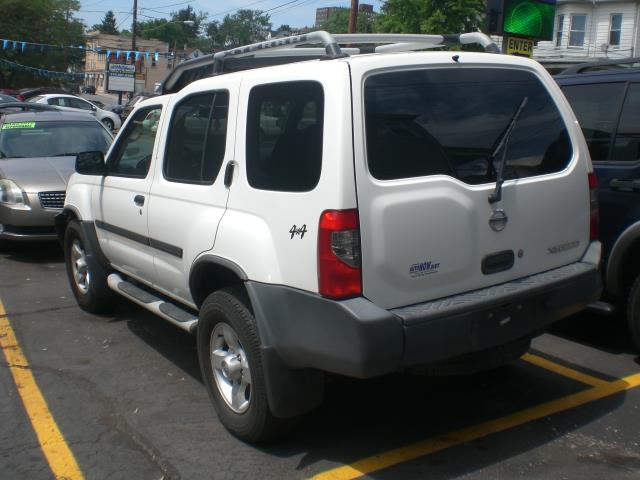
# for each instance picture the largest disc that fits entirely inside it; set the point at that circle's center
(286, 47)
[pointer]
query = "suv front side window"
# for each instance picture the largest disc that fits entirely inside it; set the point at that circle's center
(131, 156)
(284, 136)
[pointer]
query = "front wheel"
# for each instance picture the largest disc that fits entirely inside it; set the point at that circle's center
(108, 123)
(87, 279)
(633, 313)
(231, 366)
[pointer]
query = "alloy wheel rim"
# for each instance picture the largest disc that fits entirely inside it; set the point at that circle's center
(79, 267)
(230, 368)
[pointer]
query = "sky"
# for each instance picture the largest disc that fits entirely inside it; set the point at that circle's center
(296, 13)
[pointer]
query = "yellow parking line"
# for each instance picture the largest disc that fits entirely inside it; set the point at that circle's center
(465, 435)
(564, 371)
(55, 449)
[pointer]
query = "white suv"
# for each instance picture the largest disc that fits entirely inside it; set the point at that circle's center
(358, 215)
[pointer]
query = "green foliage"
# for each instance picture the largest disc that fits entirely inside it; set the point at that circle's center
(174, 31)
(338, 22)
(108, 24)
(243, 27)
(40, 21)
(431, 16)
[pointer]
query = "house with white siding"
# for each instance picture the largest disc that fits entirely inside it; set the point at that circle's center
(589, 30)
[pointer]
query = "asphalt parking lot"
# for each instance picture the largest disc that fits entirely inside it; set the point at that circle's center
(121, 397)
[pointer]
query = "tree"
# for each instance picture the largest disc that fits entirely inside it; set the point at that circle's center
(174, 31)
(245, 26)
(431, 16)
(338, 22)
(40, 21)
(108, 24)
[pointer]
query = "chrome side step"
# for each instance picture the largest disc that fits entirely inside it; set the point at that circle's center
(169, 311)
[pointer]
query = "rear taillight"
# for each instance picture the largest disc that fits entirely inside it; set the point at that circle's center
(339, 258)
(594, 224)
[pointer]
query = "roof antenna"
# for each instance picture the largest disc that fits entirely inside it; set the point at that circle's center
(455, 58)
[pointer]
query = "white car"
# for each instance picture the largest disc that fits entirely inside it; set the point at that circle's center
(359, 215)
(71, 102)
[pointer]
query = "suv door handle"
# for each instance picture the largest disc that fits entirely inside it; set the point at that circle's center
(625, 185)
(228, 173)
(138, 200)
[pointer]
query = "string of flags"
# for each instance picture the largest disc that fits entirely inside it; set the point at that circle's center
(40, 72)
(22, 47)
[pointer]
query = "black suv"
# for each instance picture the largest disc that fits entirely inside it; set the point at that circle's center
(605, 97)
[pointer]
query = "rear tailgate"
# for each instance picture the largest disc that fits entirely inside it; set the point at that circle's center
(424, 175)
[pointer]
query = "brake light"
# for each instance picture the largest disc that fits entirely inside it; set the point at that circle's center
(339, 257)
(594, 223)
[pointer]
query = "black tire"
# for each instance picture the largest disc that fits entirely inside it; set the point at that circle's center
(257, 423)
(108, 123)
(96, 297)
(633, 313)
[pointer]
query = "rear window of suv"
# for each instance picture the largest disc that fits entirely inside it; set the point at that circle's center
(450, 121)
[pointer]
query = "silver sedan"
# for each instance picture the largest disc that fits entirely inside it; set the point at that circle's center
(37, 157)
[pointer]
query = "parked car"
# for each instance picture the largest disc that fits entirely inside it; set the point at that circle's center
(89, 89)
(27, 93)
(7, 98)
(37, 155)
(605, 97)
(130, 105)
(394, 211)
(70, 102)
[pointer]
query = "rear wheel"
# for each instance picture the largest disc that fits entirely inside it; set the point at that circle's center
(108, 123)
(87, 279)
(231, 366)
(633, 313)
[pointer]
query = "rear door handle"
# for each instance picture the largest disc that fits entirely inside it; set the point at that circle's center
(138, 200)
(625, 185)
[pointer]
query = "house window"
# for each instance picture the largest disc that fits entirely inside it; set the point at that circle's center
(615, 30)
(577, 31)
(559, 30)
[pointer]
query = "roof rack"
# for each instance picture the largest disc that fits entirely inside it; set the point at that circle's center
(286, 50)
(9, 107)
(602, 65)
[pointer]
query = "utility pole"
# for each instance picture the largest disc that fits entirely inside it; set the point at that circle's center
(353, 17)
(135, 21)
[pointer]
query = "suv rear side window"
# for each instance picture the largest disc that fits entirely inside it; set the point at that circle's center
(284, 136)
(596, 106)
(449, 121)
(197, 138)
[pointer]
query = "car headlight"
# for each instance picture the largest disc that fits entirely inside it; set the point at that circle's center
(11, 193)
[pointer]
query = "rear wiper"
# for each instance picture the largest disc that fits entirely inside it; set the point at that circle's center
(64, 155)
(496, 196)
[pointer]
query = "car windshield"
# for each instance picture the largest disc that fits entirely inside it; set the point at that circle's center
(52, 139)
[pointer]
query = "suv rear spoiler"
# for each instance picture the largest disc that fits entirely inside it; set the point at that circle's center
(283, 50)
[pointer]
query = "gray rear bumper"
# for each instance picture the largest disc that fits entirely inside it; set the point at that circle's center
(356, 338)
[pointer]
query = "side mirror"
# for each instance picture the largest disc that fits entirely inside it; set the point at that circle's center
(91, 163)
(94, 108)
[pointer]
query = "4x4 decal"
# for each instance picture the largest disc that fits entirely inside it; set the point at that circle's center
(298, 231)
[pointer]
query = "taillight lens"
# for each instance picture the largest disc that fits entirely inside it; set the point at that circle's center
(339, 257)
(594, 224)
